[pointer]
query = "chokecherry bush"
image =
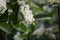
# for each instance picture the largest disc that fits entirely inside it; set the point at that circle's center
(28, 20)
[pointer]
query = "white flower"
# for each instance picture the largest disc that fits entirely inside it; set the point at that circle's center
(27, 13)
(2, 6)
(39, 31)
(51, 1)
(7, 0)
(10, 10)
(27, 6)
(22, 8)
(16, 36)
(21, 2)
(47, 8)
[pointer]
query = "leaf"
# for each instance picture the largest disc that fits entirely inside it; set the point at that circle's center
(37, 10)
(20, 27)
(5, 27)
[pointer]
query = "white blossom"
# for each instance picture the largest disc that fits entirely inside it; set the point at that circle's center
(47, 9)
(21, 2)
(22, 8)
(10, 10)
(51, 1)
(2, 6)
(16, 36)
(27, 13)
(39, 31)
(7, 0)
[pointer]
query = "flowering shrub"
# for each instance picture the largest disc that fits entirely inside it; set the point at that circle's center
(28, 20)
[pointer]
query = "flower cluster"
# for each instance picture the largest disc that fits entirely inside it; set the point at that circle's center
(51, 1)
(27, 13)
(2, 6)
(48, 9)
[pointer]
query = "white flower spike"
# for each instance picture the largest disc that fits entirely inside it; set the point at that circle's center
(3, 7)
(27, 13)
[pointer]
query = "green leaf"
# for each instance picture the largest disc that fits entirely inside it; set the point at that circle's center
(20, 27)
(5, 27)
(38, 10)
